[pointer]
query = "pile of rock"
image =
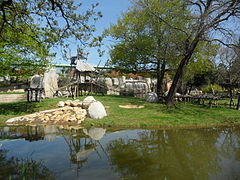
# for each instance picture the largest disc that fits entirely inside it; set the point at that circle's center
(69, 112)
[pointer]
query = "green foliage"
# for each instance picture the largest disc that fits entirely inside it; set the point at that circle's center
(212, 88)
(144, 42)
(30, 28)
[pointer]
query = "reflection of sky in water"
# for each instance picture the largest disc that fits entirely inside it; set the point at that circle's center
(56, 153)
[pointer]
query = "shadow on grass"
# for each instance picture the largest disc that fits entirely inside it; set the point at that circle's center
(17, 108)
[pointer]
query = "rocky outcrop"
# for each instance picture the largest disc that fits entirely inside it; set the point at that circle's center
(69, 112)
(64, 115)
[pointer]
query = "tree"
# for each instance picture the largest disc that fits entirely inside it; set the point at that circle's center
(201, 69)
(144, 42)
(208, 16)
(228, 70)
(29, 28)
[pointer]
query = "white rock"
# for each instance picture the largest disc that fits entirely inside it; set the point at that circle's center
(36, 81)
(87, 101)
(61, 103)
(96, 110)
(115, 81)
(50, 82)
(152, 97)
(108, 82)
(177, 94)
(12, 120)
(68, 102)
(76, 104)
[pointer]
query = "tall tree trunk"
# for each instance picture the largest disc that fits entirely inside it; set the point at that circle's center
(179, 74)
(238, 102)
(160, 76)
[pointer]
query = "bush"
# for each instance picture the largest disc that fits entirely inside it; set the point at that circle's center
(213, 87)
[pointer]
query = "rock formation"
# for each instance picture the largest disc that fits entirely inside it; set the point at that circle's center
(69, 112)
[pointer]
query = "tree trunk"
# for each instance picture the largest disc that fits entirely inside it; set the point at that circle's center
(160, 77)
(238, 102)
(179, 74)
(231, 97)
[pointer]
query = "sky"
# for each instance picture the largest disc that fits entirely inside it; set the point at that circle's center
(111, 10)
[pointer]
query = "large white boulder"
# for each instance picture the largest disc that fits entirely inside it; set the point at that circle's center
(87, 101)
(152, 97)
(96, 110)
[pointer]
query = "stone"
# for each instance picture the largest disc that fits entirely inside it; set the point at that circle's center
(76, 103)
(46, 118)
(87, 101)
(115, 82)
(76, 109)
(96, 110)
(58, 118)
(61, 104)
(36, 81)
(151, 97)
(59, 112)
(68, 102)
(108, 82)
(123, 80)
(12, 120)
(50, 82)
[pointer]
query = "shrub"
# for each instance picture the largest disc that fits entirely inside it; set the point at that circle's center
(212, 87)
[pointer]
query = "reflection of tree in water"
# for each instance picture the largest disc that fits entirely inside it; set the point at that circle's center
(168, 154)
(82, 143)
(13, 168)
(29, 133)
(229, 149)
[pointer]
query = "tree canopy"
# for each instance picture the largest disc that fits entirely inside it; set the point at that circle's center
(145, 42)
(173, 34)
(30, 28)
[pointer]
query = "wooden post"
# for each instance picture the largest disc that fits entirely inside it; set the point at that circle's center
(31, 97)
(210, 103)
(36, 94)
(40, 95)
(28, 95)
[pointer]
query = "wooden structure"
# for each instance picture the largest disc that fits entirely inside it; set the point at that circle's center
(35, 89)
(34, 94)
(82, 81)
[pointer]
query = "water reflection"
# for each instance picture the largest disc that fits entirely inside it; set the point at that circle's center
(96, 153)
(14, 168)
(178, 154)
(50, 132)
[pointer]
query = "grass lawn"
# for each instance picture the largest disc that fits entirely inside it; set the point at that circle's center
(152, 115)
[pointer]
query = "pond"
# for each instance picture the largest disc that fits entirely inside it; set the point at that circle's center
(96, 153)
